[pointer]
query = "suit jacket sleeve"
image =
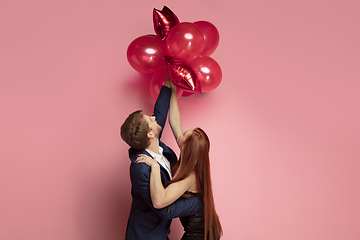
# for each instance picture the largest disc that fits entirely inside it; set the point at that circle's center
(161, 107)
(182, 207)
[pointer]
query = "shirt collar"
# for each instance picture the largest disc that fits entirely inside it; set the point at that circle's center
(153, 154)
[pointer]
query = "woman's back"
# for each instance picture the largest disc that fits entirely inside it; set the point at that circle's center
(194, 225)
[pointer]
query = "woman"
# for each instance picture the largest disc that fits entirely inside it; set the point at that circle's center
(191, 177)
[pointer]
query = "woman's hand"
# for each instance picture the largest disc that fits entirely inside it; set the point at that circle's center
(143, 158)
(167, 82)
(172, 85)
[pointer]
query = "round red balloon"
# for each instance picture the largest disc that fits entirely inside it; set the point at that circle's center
(211, 37)
(146, 54)
(157, 81)
(208, 72)
(185, 40)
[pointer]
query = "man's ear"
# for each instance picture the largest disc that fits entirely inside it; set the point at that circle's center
(150, 134)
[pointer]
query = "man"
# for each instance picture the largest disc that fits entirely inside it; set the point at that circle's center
(143, 133)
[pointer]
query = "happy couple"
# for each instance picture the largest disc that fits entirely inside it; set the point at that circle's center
(163, 187)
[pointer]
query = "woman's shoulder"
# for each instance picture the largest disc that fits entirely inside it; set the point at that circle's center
(193, 188)
(189, 179)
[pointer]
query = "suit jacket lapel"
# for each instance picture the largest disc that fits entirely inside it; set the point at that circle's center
(133, 154)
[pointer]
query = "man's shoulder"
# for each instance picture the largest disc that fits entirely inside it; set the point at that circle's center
(134, 153)
(139, 173)
(139, 168)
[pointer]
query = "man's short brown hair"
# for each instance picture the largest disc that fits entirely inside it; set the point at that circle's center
(134, 130)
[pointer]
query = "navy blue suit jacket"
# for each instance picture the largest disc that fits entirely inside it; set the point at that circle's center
(146, 222)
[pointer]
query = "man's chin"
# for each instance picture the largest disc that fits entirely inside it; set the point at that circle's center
(159, 131)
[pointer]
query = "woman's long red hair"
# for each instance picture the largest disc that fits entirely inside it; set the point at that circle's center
(195, 158)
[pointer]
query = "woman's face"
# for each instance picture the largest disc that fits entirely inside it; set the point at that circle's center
(183, 137)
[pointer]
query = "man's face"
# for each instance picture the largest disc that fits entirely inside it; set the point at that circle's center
(153, 125)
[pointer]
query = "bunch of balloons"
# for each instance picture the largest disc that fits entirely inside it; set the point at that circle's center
(180, 50)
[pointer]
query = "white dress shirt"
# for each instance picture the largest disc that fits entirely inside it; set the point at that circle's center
(161, 159)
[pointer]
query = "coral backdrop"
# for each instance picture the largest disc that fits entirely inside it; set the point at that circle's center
(283, 123)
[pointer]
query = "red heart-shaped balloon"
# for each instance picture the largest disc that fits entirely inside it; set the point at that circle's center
(181, 74)
(163, 21)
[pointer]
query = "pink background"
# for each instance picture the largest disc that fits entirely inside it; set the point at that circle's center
(283, 124)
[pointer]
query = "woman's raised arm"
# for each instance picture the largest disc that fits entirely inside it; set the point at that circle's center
(174, 114)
